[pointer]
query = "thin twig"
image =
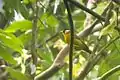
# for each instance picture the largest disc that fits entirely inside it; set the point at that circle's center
(112, 41)
(88, 30)
(114, 44)
(109, 73)
(87, 10)
(71, 39)
(93, 61)
(61, 55)
(49, 39)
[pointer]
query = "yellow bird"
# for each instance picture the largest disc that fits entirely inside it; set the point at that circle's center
(78, 43)
(66, 34)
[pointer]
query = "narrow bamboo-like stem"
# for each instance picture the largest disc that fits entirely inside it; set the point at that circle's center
(71, 39)
(34, 35)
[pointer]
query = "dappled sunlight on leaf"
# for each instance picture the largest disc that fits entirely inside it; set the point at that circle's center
(6, 55)
(11, 41)
(22, 25)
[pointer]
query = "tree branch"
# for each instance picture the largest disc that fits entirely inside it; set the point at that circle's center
(93, 61)
(59, 60)
(34, 35)
(87, 10)
(56, 66)
(91, 4)
(90, 29)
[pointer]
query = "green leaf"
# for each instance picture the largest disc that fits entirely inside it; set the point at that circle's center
(48, 58)
(79, 18)
(6, 55)
(109, 28)
(32, 1)
(11, 41)
(25, 38)
(13, 4)
(19, 25)
(24, 11)
(16, 74)
(50, 20)
(100, 7)
(78, 15)
(111, 61)
(27, 1)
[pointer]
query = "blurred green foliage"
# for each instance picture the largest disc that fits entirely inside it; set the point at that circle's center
(15, 39)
